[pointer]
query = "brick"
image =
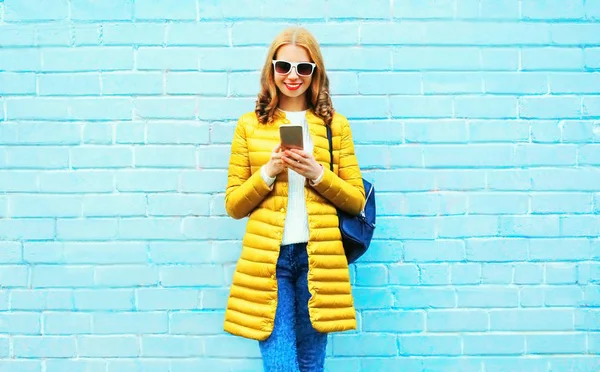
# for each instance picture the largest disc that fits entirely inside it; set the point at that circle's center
(104, 109)
(552, 9)
(452, 83)
(91, 365)
(393, 321)
(457, 321)
(165, 108)
(492, 107)
(254, 33)
(404, 274)
(434, 274)
(527, 273)
(389, 83)
(496, 273)
(332, 33)
(436, 59)
(20, 60)
(494, 344)
(59, 276)
(565, 179)
(44, 346)
(20, 323)
(178, 133)
(219, 108)
(108, 346)
(547, 59)
(67, 323)
(209, 84)
(37, 108)
(500, 59)
(88, 10)
(487, 297)
(548, 249)
(110, 205)
(45, 206)
(151, 228)
(41, 299)
(184, 10)
(165, 157)
(467, 226)
(413, 345)
(529, 226)
(561, 273)
(364, 345)
(87, 59)
(365, 59)
(29, 229)
(130, 322)
(11, 252)
(124, 34)
(128, 83)
(379, 9)
(45, 133)
(141, 180)
(196, 323)
(17, 83)
(101, 157)
(243, 347)
(467, 273)
(460, 180)
(556, 344)
(516, 83)
(29, 10)
(498, 203)
(556, 202)
(421, 106)
(417, 9)
(532, 320)
(17, 35)
(417, 298)
(87, 229)
(546, 155)
(104, 299)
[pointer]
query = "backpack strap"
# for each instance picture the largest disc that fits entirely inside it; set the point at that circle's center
(330, 146)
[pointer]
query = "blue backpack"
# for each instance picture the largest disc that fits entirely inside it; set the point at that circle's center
(357, 231)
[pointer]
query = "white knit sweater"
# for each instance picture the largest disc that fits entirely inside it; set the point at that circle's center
(295, 229)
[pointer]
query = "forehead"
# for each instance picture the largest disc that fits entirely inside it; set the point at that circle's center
(293, 53)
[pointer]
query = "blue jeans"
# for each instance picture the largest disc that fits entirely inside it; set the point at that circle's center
(294, 344)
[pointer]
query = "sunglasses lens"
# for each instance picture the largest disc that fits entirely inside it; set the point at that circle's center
(282, 67)
(305, 69)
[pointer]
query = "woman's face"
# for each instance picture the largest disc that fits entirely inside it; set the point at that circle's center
(292, 85)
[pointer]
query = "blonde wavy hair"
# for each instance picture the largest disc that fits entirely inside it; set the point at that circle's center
(317, 95)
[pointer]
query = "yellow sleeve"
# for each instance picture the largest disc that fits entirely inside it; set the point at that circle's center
(244, 189)
(345, 190)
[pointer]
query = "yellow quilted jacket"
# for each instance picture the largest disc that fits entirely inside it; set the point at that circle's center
(253, 295)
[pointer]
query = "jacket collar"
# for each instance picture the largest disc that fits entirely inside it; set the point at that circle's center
(311, 117)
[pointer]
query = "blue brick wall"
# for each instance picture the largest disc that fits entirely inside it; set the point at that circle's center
(477, 120)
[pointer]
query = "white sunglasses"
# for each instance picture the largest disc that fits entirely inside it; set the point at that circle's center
(302, 68)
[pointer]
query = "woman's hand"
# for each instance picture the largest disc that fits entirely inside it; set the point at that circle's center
(302, 163)
(275, 164)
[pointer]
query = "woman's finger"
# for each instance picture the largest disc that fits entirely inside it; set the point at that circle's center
(295, 156)
(301, 153)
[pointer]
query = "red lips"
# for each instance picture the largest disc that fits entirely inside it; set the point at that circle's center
(293, 86)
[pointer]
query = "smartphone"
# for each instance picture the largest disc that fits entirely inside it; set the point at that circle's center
(291, 136)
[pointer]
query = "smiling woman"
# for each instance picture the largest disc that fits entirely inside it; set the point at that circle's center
(291, 286)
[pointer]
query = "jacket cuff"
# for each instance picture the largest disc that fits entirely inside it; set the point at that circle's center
(318, 179)
(268, 180)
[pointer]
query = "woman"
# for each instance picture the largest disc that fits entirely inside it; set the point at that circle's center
(291, 284)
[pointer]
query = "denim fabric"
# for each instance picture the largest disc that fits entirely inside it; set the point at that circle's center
(294, 344)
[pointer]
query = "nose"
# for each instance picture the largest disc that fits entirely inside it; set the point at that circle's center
(293, 73)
